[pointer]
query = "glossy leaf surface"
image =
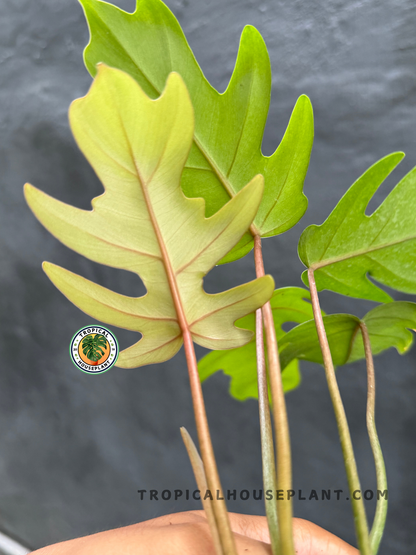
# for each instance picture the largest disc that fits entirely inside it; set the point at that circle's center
(349, 247)
(143, 223)
(226, 151)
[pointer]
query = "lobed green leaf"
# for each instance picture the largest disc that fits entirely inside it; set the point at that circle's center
(226, 150)
(144, 223)
(349, 247)
(289, 305)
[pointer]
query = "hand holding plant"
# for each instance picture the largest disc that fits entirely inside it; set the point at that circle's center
(188, 533)
(187, 187)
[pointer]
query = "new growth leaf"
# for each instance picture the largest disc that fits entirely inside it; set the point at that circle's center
(143, 223)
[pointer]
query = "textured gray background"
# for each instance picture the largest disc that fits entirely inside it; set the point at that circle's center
(75, 448)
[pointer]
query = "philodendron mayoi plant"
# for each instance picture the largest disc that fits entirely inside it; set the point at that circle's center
(187, 187)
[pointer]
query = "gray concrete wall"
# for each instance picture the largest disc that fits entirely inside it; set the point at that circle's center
(75, 448)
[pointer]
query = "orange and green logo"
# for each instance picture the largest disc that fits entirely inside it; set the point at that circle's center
(94, 350)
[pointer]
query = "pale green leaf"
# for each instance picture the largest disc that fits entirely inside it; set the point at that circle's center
(143, 223)
(351, 246)
(226, 151)
(289, 305)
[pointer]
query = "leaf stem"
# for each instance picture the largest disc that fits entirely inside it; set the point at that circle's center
(207, 452)
(381, 508)
(266, 435)
(358, 509)
(284, 460)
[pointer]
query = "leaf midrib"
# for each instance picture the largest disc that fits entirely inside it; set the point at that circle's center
(170, 274)
(334, 260)
(221, 177)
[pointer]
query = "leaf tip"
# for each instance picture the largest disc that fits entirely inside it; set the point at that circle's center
(249, 31)
(103, 68)
(174, 79)
(252, 44)
(48, 267)
(400, 154)
(269, 284)
(303, 112)
(304, 98)
(257, 183)
(31, 193)
(186, 437)
(306, 103)
(394, 158)
(27, 190)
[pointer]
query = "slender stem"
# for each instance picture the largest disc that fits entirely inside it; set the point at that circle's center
(201, 480)
(358, 509)
(284, 460)
(207, 451)
(381, 508)
(266, 435)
